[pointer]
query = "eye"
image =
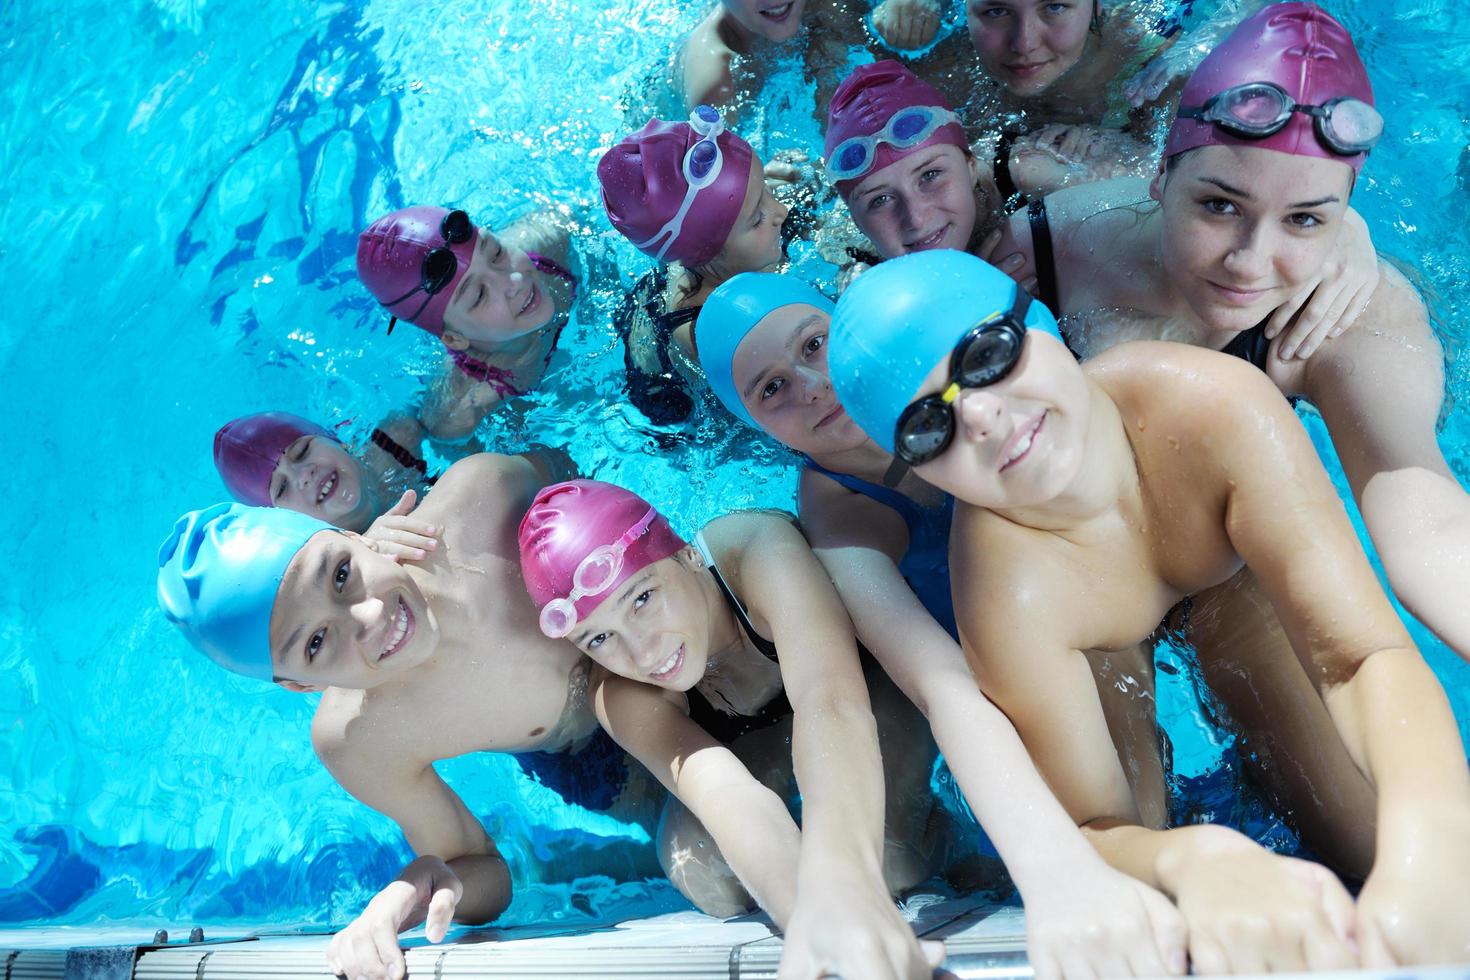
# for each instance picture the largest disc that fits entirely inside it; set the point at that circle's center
(1218, 205)
(932, 174)
(300, 453)
(1305, 219)
(772, 388)
(314, 644)
(814, 343)
(479, 295)
(595, 642)
(760, 216)
(641, 599)
(342, 574)
(877, 201)
(1057, 8)
(499, 251)
(994, 13)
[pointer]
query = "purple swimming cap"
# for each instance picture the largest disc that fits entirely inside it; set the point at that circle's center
(247, 450)
(864, 104)
(644, 189)
(1298, 46)
(567, 522)
(390, 262)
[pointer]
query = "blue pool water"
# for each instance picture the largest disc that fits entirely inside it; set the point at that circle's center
(187, 179)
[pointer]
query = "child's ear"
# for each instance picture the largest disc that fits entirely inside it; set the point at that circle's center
(299, 688)
(454, 341)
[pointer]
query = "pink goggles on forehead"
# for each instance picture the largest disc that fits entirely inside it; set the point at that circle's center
(594, 575)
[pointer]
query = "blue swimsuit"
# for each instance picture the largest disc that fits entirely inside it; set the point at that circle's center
(925, 565)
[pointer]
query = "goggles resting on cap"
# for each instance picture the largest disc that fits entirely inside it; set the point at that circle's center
(907, 127)
(439, 265)
(595, 574)
(1256, 110)
(702, 165)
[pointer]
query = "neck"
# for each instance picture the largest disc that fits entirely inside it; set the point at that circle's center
(1106, 477)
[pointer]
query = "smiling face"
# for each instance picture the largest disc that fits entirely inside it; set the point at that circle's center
(345, 616)
(655, 627)
(499, 298)
(1245, 228)
(318, 477)
(1027, 45)
(780, 372)
(925, 200)
(754, 243)
(1020, 441)
(774, 20)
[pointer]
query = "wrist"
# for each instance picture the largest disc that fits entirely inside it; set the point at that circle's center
(1184, 848)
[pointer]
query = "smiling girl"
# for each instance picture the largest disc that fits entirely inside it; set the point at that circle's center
(498, 302)
(686, 638)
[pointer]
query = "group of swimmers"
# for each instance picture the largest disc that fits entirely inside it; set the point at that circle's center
(1013, 474)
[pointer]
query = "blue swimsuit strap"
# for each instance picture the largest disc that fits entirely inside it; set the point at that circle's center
(908, 509)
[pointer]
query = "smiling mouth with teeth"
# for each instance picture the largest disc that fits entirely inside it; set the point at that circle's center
(778, 13)
(931, 241)
(531, 296)
(670, 666)
(402, 629)
(1023, 446)
(327, 486)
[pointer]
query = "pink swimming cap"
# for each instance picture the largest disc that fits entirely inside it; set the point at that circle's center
(1298, 46)
(390, 260)
(568, 521)
(643, 187)
(867, 99)
(247, 450)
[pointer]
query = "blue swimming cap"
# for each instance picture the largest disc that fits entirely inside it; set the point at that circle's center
(217, 578)
(731, 312)
(902, 317)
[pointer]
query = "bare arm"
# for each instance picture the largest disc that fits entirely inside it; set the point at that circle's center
(834, 747)
(1077, 908)
(749, 822)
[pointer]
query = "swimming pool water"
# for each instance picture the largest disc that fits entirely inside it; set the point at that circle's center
(187, 180)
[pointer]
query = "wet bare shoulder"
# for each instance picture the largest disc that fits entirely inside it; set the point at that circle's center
(704, 65)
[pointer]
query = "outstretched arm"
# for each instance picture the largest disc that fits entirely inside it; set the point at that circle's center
(1285, 520)
(459, 875)
(749, 823)
(844, 921)
(1081, 915)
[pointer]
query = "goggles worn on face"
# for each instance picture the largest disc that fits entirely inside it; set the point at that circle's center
(439, 265)
(986, 354)
(907, 127)
(594, 575)
(702, 164)
(1256, 110)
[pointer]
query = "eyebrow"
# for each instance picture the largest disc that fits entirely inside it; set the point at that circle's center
(1246, 195)
(628, 588)
(801, 326)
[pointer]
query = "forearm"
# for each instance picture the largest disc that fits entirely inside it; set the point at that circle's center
(1398, 727)
(834, 745)
(761, 843)
(487, 887)
(1160, 858)
(1033, 834)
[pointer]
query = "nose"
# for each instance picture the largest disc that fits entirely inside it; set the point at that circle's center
(982, 417)
(1026, 35)
(913, 213)
(814, 384)
(367, 613)
(781, 211)
(1249, 259)
(305, 473)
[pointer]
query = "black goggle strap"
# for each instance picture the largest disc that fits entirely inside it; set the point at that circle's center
(895, 473)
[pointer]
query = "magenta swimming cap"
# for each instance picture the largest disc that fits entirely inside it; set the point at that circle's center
(864, 104)
(644, 189)
(1298, 46)
(390, 262)
(247, 450)
(569, 521)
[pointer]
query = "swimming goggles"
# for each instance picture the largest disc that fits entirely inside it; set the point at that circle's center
(439, 265)
(702, 164)
(595, 574)
(1256, 110)
(986, 354)
(907, 127)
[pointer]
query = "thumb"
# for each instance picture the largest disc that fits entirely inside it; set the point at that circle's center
(441, 914)
(933, 951)
(405, 504)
